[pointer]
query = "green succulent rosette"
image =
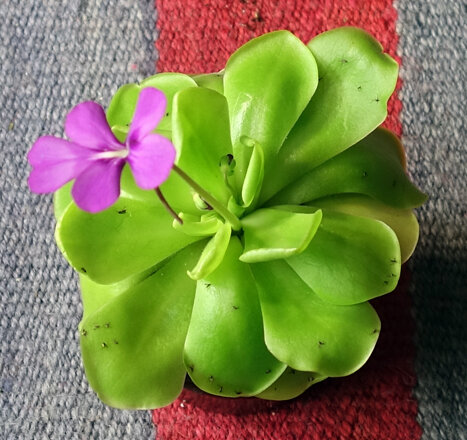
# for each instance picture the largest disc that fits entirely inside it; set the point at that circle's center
(271, 297)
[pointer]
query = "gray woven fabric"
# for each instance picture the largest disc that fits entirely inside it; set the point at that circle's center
(54, 54)
(433, 47)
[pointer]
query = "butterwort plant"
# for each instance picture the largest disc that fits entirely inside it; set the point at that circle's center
(233, 226)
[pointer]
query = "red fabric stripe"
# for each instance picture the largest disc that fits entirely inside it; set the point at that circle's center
(374, 403)
(199, 36)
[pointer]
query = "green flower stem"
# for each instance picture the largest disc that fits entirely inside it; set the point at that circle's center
(216, 205)
(167, 206)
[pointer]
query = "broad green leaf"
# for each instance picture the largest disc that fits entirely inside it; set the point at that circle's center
(371, 167)
(350, 259)
(133, 345)
(213, 81)
(123, 104)
(308, 333)
(225, 352)
(212, 254)
(402, 221)
(291, 384)
(201, 135)
(267, 82)
(356, 80)
(275, 233)
(95, 295)
(254, 175)
(207, 224)
(125, 239)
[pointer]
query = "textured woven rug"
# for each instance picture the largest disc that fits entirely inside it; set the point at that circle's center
(54, 54)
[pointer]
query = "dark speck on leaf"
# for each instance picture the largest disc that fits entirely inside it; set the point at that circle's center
(96, 327)
(220, 389)
(344, 61)
(375, 331)
(122, 211)
(115, 342)
(377, 100)
(104, 345)
(167, 114)
(311, 379)
(191, 367)
(83, 270)
(235, 307)
(393, 260)
(268, 371)
(84, 332)
(386, 282)
(365, 174)
(207, 285)
(359, 88)
(238, 393)
(320, 343)
(211, 378)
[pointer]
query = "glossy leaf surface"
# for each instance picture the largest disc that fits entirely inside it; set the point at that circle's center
(127, 238)
(213, 81)
(356, 81)
(372, 167)
(402, 221)
(212, 254)
(310, 334)
(274, 233)
(267, 83)
(291, 384)
(254, 176)
(350, 259)
(133, 346)
(225, 352)
(201, 135)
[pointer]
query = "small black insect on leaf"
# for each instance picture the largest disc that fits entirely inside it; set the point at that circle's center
(122, 211)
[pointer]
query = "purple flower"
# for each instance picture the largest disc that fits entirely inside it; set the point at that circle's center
(95, 158)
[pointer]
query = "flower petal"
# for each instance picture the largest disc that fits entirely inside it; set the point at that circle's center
(87, 125)
(98, 187)
(151, 160)
(150, 109)
(55, 161)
